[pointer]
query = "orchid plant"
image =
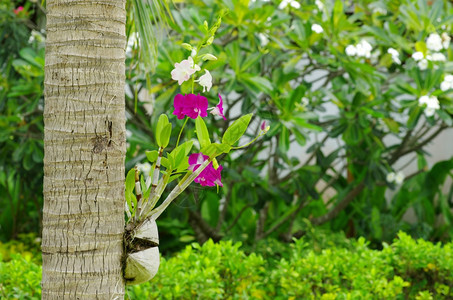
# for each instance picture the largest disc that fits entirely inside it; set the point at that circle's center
(201, 166)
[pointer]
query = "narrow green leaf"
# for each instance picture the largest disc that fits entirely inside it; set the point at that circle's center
(284, 140)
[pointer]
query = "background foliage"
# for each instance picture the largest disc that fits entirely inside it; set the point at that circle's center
(270, 62)
(21, 125)
(319, 266)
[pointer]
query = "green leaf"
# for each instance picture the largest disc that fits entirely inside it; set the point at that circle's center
(130, 184)
(236, 130)
(215, 149)
(445, 117)
(165, 135)
(376, 223)
(187, 146)
(161, 124)
(302, 123)
(284, 140)
(202, 132)
(152, 155)
(414, 115)
(165, 162)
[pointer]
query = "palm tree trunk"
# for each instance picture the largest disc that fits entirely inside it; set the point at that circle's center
(84, 145)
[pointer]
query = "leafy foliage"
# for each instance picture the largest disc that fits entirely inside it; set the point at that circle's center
(271, 63)
(318, 266)
(21, 125)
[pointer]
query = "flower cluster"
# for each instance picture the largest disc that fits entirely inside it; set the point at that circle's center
(291, 3)
(18, 10)
(434, 44)
(397, 178)
(395, 55)
(431, 104)
(319, 4)
(362, 49)
(317, 28)
(193, 106)
(447, 84)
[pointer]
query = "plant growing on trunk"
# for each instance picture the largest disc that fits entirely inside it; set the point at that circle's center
(141, 238)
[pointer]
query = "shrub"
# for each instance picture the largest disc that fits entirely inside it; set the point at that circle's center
(324, 267)
(20, 278)
(348, 270)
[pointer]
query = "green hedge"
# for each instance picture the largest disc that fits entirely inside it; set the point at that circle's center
(407, 269)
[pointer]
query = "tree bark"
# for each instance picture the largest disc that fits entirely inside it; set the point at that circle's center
(84, 147)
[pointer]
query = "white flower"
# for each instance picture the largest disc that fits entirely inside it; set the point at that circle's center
(292, 3)
(295, 4)
(317, 28)
(283, 4)
(184, 70)
(445, 40)
(145, 168)
(128, 133)
(399, 178)
(447, 83)
(423, 64)
(417, 56)
(390, 177)
(206, 81)
(438, 57)
(364, 49)
(319, 4)
(434, 42)
(305, 101)
(263, 39)
(395, 55)
(431, 103)
(379, 10)
(351, 50)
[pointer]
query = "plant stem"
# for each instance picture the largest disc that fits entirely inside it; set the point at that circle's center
(180, 132)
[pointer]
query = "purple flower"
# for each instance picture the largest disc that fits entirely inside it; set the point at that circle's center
(196, 160)
(218, 110)
(190, 105)
(209, 176)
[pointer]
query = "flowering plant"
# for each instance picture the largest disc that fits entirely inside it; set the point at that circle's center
(349, 102)
(201, 166)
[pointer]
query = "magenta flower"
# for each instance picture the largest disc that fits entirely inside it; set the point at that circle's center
(18, 10)
(196, 160)
(218, 110)
(190, 105)
(209, 176)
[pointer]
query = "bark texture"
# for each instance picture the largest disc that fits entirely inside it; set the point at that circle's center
(84, 145)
